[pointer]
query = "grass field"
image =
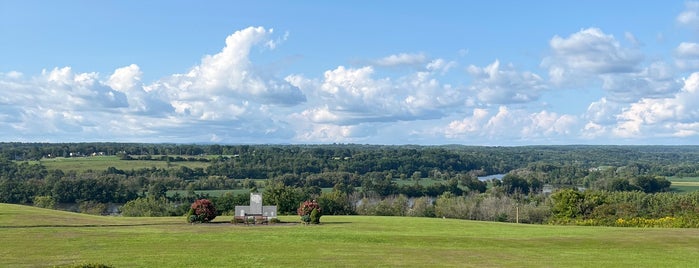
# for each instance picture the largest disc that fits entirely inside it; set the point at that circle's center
(684, 184)
(214, 193)
(35, 237)
(103, 162)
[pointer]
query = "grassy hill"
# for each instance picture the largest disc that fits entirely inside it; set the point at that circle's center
(33, 237)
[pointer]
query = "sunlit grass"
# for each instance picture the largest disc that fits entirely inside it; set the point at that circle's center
(36, 237)
(99, 163)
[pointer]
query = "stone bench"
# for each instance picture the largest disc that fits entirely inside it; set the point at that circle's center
(249, 218)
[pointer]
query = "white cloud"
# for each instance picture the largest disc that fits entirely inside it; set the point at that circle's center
(349, 96)
(672, 116)
(689, 16)
(471, 124)
(328, 133)
(589, 51)
(402, 59)
(440, 65)
(225, 97)
(495, 85)
(687, 56)
(654, 81)
(509, 124)
(126, 79)
(228, 77)
(58, 101)
(602, 112)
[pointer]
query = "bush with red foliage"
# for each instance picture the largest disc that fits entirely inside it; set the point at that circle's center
(202, 210)
(310, 212)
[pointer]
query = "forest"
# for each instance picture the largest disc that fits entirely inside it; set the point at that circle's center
(602, 183)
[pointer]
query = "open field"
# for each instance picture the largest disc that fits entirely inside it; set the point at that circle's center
(35, 237)
(214, 193)
(103, 162)
(684, 184)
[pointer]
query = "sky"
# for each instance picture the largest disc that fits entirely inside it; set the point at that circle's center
(495, 73)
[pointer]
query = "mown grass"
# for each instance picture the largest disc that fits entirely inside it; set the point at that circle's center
(80, 164)
(35, 237)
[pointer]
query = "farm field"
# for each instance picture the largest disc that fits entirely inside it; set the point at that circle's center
(684, 184)
(80, 164)
(34, 237)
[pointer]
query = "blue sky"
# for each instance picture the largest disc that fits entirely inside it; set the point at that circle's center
(378, 72)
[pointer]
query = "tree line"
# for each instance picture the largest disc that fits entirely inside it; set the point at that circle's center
(289, 174)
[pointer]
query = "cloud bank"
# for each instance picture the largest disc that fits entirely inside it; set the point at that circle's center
(227, 98)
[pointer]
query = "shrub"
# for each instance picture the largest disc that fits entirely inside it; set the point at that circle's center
(422, 207)
(146, 207)
(310, 212)
(315, 216)
(92, 207)
(202, 210)
(45, 202)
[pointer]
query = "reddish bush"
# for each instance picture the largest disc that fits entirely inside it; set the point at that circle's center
(310, 212)
(202, 210)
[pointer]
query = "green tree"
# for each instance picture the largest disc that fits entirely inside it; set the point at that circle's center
(336, 203)
(652, 184)
(146, 207)
(515, 184)
(286, 198)
(566, 204)
(45, 202)
(157, 190)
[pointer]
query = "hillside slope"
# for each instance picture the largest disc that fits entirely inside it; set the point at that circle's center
(35, 237)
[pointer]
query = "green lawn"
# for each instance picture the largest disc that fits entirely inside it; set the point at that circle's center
(103, 162)
(35, 237)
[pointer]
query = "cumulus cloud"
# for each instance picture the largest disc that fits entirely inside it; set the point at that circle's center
(672, 116)
(57, 101)
(472, 124)
(353, 95)
(654, 81)
(589, 51)
(496, 85)
(224, 85)
(603, 112)
(509, 123)
(225, 96)
(127, 80)
(330, 133)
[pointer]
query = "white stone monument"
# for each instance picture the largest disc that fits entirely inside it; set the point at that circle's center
(256, 208)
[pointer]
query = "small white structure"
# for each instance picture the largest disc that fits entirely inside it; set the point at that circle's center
(256, 208)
